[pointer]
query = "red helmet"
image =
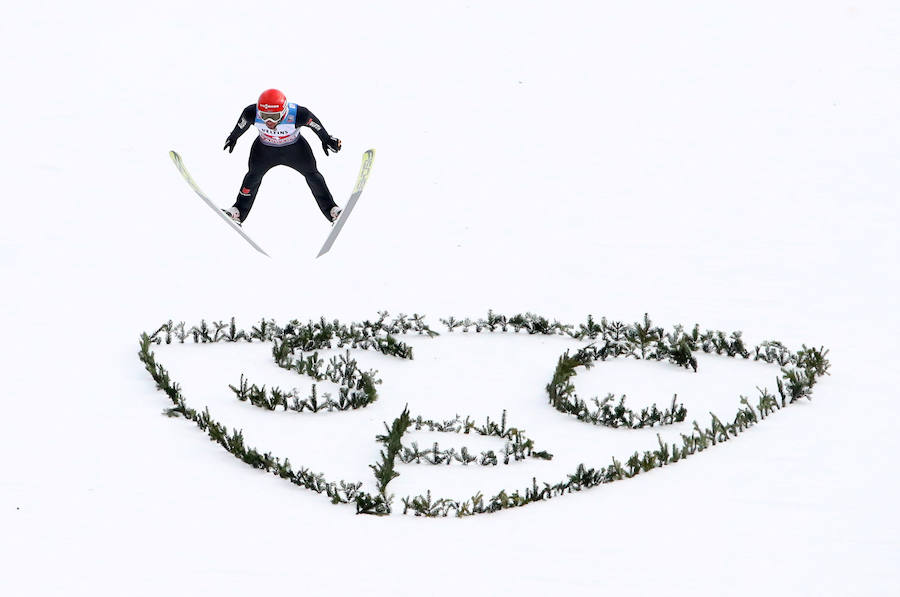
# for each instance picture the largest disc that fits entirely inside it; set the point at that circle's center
(272, 105)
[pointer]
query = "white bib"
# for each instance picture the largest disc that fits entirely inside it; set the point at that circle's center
(285, 132)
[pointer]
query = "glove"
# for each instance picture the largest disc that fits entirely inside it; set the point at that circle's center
(229, 143)
(332, 143)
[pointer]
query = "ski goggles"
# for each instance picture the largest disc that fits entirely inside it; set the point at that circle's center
(274, 116)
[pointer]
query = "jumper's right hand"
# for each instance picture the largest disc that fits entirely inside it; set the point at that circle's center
(229, 143)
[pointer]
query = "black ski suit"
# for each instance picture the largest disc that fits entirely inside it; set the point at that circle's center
(297, 155)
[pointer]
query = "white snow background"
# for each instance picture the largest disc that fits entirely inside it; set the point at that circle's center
(732, 164)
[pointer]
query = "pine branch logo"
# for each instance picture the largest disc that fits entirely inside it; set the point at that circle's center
(296, 348)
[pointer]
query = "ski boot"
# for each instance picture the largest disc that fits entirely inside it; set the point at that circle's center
(233, 213)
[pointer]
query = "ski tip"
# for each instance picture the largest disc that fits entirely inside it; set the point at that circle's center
(174, 155)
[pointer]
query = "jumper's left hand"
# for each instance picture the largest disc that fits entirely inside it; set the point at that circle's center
(332, 143)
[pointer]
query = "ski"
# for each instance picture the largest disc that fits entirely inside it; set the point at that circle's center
(180, 165)
(368, 156)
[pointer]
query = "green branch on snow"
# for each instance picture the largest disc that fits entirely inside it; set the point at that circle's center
(296, 346)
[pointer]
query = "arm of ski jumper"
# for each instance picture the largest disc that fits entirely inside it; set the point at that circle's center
(244, 122)
(307, 118)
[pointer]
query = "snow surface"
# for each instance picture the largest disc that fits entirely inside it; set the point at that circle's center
(728, 164)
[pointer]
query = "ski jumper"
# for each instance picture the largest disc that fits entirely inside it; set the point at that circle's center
(281, 146)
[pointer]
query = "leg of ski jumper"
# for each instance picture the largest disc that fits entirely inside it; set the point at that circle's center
(320, 191)
(305, 163)
(262, 159)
